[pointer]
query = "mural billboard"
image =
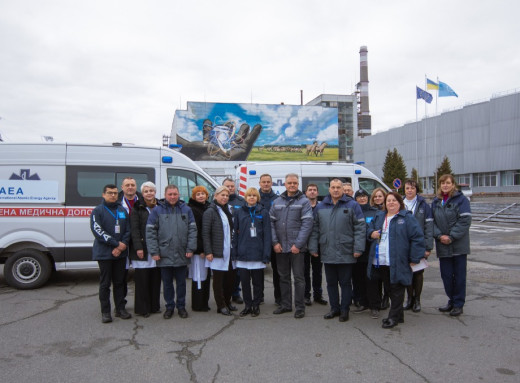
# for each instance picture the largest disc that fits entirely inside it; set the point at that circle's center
(256, 132)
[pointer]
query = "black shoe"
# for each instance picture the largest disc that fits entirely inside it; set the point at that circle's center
(447, 308)
(389, 323)
(224, 311)
(146, 315)
(281, 310)
(456, 311)
(331, 314)
(299, 314)
(231, 307)
(385, 303)
(106, 318)
(168, 314)
(321, 301)
(416, 306)
(356, 304)
(123, 314)
(343, 317)
(409, 304)
(245, 311)
(278, 302)
(183, 313)
(237, 299)
(261, 301)
(156, 312)
(374, 314)
(255, 311)
(308, 302)
(360, 309)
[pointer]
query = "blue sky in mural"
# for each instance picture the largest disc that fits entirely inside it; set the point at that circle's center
(281, 124)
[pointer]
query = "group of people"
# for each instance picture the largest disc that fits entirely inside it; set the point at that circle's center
(373, 248)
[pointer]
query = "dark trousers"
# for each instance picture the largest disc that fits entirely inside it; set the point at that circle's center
(415, 289)
(394, 290)
(147, 290)
(359, 283)
(236, 286)
(339, 274)
(255, 276)
(223, 284)
(200, 298)
(276, 278)
(295, 262)
(112, 272)
(453, 274)
(168, 273)
(315, 263)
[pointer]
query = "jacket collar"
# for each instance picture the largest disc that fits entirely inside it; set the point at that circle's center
(298, 195)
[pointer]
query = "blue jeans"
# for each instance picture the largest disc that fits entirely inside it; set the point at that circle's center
(339, 274)
(167, 275)
(453, 274)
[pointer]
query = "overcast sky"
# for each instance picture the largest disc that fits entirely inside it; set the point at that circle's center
(105, 71)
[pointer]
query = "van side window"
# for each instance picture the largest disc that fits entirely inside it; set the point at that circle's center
(186, 180)
(85, 184)
(369, 184)
(323, 184)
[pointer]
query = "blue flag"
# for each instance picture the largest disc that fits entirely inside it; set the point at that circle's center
(424, 95)
(445, 90)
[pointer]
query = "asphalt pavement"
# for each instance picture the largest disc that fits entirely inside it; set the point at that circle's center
(54, 334)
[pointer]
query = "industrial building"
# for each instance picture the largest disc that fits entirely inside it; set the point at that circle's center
(481, 140)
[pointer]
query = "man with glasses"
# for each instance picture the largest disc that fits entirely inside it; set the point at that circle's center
(111, 228)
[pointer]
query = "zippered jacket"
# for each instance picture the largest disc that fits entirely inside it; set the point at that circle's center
(171, 232)
(339, 229)
(452, 218)
(291, 221)
(103, 225)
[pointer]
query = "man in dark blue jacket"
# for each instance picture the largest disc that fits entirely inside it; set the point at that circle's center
(267, 197)
(111, 228)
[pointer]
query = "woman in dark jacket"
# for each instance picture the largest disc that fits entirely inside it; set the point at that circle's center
(397, 244)
(451, 222)
(147, 276)
(422, 212)
(359, 272)
(198, 271)
(217, 231)
(252, 249)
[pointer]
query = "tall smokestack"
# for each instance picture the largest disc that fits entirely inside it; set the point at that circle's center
(364, 118)
(363, 52)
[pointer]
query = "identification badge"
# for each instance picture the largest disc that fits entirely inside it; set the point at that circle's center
(117, 229)
(253, 231)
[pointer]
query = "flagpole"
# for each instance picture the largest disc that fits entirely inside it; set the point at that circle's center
(436, 96)
(425, 106)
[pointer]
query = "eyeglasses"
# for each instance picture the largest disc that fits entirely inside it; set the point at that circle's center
(111, 193)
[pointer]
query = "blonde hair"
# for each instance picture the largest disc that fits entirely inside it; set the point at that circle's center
(219, 190)
(374, 193)
(253, 191)
(441, 180)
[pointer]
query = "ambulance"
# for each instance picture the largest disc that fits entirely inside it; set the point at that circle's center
(318, 173)
(48, 191)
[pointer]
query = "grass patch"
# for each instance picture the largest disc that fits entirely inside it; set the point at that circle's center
(329, 154)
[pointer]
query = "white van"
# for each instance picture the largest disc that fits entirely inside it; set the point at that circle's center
(47, 192)
(319, 173)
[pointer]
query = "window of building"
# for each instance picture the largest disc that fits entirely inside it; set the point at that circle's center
(463, 179)
(484, 179)
(510, 178)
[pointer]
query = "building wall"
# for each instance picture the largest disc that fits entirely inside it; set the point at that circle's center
(478, 138)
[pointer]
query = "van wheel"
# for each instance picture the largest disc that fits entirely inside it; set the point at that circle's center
(27, 269)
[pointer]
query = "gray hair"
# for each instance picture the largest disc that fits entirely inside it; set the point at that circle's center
(148, 184)
(293, 175)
